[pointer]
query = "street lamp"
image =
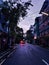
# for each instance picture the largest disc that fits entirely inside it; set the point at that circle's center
(35, 37)
(45, 13)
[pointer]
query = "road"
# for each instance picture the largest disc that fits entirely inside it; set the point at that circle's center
(28, 54)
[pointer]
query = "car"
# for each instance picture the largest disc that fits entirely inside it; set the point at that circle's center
(22, 42)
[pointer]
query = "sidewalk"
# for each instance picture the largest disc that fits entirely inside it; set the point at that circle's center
(46, 47)
(5, 51)
(4, 54)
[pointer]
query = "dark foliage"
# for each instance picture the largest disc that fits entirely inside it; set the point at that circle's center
(13, 11)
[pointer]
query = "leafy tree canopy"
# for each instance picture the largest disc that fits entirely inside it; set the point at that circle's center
(13, 10)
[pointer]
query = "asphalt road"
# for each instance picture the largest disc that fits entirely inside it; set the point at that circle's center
(28, 54)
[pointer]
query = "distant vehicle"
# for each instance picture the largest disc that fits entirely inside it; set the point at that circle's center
(22, 42)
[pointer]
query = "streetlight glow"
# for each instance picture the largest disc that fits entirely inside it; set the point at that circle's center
(45, 13)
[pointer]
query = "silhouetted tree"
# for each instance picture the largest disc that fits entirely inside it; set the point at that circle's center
(13, 11)
(29, 36)
(19, 34)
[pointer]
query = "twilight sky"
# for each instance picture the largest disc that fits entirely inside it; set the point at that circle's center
(32, 14)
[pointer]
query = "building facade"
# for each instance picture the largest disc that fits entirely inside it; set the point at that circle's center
(35, 30)
(44, 24)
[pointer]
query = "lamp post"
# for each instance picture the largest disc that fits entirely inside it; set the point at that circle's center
(45, 13)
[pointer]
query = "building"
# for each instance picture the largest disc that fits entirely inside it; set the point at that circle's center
(44, 24)
(35, 29)
(32, 28)
(37, 20)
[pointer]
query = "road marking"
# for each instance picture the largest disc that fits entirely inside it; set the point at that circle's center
(45, 62)
(3, 55)
(10, 54)
(2, 62)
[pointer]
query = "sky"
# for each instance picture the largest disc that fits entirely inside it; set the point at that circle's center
(32, 14)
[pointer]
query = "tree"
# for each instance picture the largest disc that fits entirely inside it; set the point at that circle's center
(29, 36)
(19, 34)
(13, 10)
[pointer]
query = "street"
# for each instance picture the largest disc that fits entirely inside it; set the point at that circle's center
(28, 54)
